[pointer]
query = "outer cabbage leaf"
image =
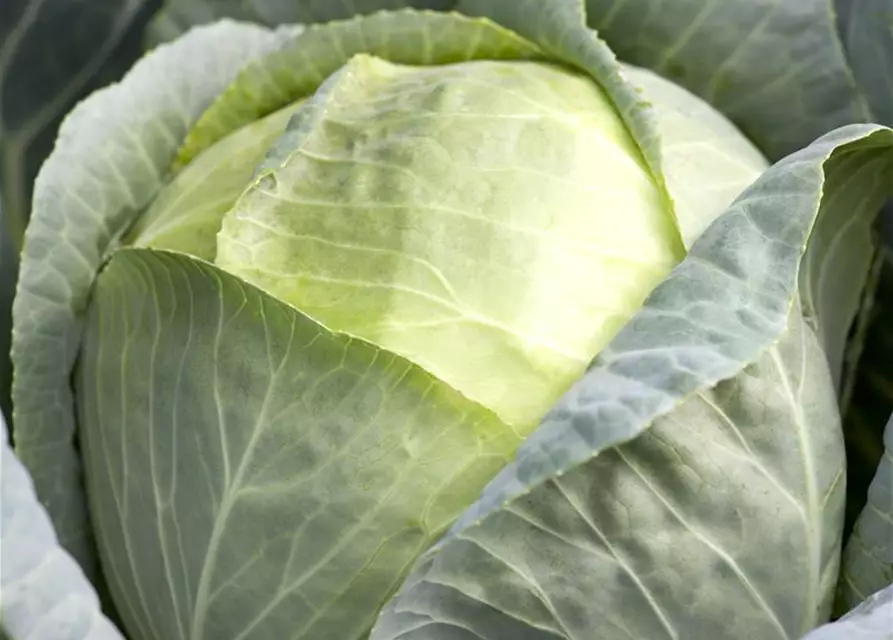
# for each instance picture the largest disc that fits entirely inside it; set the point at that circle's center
(777, 69)
(179, 15)
(108, 163)
(252, 474)
(868, 559)
(676, 534)
(871, 620)
(44, 595)
(840, 260)
(52, 54)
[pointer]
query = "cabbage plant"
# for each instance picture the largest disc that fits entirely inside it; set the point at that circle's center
(428, 324)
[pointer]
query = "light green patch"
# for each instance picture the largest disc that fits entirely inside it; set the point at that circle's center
(490, 221)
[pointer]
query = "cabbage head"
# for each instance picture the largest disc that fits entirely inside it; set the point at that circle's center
(430, 325)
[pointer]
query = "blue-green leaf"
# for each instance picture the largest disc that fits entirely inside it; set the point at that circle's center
(109, 161)
(52, 54)
(775, 67)
(253, 474)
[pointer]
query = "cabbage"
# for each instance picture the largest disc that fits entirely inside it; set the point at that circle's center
(427, 324)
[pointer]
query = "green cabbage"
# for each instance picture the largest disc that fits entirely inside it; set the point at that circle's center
(440, 325)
